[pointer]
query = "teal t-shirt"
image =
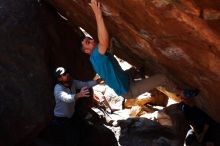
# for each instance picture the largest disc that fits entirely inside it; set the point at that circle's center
(110, 71)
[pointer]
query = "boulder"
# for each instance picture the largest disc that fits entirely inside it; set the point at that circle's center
(178, 38)
(34, 40)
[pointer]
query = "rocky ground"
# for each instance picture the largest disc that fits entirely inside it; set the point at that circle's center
(133, 126)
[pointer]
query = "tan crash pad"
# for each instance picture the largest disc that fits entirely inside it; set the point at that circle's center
(153, 97)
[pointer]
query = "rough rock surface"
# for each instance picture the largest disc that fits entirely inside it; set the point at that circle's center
(179, 38)
(31, 46)
(169, 129)
(24, 77)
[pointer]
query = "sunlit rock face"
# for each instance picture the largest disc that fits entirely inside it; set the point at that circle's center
(31, 47)
(179, 38)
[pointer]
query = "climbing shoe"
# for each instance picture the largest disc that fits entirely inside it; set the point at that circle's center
(190, 92)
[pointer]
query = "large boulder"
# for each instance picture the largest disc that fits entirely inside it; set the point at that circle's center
(178, 38)
(25, 102)
(34, 40)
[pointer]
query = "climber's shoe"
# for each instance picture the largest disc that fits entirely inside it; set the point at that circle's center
(190, 92)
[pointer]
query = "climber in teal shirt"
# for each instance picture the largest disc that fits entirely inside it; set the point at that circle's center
(110, 71)
(103, 62)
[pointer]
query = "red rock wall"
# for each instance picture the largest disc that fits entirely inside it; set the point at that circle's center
(180, 38)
